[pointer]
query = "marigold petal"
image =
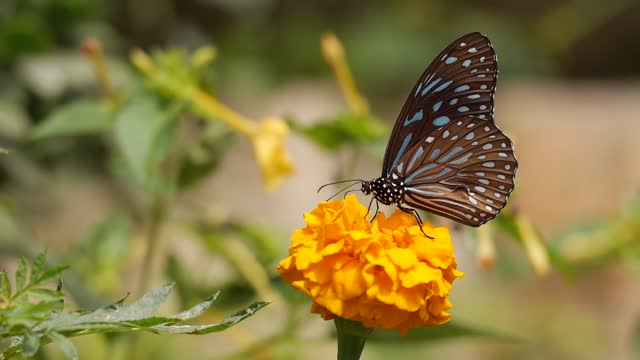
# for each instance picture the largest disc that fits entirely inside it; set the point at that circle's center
(420, 274)
(403, 258)
(348, 282)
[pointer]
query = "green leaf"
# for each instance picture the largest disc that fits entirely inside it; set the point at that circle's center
(30, 344)
(143, 131)
(64, 344)
(343, 129)
(44, 294)
(449, 330)
(197, 310)
(5, 285)
(21, 273)
(204, 157)
(561, 263)
(37, 267)
(207, 329)
(49, 275)
(265, 241)
(108, 240)
(3, 151)
(83, 117)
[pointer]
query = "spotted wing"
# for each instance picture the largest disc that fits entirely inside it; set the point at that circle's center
(460, 81)
(464, 171)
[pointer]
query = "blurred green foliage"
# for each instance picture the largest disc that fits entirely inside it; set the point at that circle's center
(31, 315)
(145, 143)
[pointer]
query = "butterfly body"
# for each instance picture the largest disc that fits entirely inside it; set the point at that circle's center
(386, 190)
(445, 154)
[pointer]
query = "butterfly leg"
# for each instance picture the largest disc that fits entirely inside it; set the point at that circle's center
(377, 210)
(415, 214)
(369, 208)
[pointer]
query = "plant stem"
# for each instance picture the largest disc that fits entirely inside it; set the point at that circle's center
(352, 337)
(157, 214)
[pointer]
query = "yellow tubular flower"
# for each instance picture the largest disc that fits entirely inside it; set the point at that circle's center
(384, 274)
(268, 145)
(333, 53)
(268, 136)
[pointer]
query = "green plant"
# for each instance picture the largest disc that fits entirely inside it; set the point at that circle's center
(31, 315)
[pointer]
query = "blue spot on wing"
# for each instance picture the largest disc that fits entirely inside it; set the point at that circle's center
(462, 160)
(450, 60)
(420, 171)
(416, 117)
(462, 88)
(434, 176)
(415, 157)
(446, 158)
(440, 121)
(403, 148)
(443, 86)
(434, 154)
(466, 63)
(437, 105)
(430, 86)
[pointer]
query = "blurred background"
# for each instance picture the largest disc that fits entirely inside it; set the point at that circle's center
(568, 95)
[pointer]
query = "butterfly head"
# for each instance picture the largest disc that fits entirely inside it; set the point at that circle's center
(366, 187)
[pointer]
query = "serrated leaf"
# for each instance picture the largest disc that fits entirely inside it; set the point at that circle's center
(143, 308)
(197, 310)
(65, 345)
(44, 294)
(30, 344)
(49, 275)
(5, 285)
(21, 273)
(207, 329)
(82, 117)
(443, 332)
(152, 321)
(37, 267)
(142, 131)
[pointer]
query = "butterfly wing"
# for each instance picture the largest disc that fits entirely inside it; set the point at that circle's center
(461, 81)
(464, 171)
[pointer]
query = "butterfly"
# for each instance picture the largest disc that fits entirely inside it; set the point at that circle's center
(445, 154)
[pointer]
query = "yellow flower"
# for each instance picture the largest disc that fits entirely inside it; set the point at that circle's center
(384, 274)
(268, 136)
(268, 145)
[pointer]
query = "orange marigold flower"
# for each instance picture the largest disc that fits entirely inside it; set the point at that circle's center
(384, 274)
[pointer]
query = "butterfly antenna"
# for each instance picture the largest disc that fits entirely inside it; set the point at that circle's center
(334, 195)
(338, 182)
(350, 191)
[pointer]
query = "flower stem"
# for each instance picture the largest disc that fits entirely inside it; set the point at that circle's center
(352, 337)
(93, 49)
(156, 218)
